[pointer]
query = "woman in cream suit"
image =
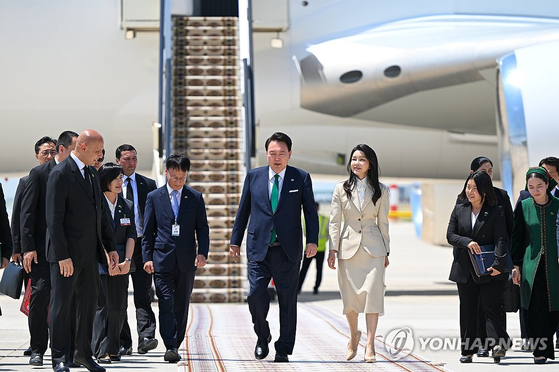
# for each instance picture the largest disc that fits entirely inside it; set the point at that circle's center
(359, 237)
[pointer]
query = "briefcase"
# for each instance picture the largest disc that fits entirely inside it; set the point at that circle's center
(482, 261)
(12, 280)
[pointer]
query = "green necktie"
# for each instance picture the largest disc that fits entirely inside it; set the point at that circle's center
(274, 202)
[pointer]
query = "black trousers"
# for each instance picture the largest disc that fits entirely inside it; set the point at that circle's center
(173, 290)
(540, 322)
(319, 257)
(38, 306)
(145, 316)
(112, 304)
(490, 296)
(84, 283)
(285, 273)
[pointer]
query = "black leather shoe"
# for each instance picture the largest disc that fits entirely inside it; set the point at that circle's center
(60, 367)
(281, 357)
(172, 356)
(261, 350)
(88, 363)
(36, 359)
(115, 358)
(146, 345)
(540, 360)
(125, 350)
(71, 364)
(28, 351)
(482, 353)
(104, 359)
(466, 359)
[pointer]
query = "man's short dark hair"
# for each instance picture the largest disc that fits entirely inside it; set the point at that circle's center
(550, 160)
(107, 173)
(65, 138)
(178, 162)
(124, 147)
(279, 137)
(42, 141)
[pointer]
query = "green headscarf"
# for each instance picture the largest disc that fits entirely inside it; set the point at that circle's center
(543, 172)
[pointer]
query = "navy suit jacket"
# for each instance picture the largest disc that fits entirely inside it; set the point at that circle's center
(158, 243)
(16, 213)
(255, 211)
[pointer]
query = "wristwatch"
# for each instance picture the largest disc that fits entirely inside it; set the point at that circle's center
(127, 259)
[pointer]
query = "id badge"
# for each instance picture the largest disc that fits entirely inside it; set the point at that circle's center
(125, 222)
(176, 230)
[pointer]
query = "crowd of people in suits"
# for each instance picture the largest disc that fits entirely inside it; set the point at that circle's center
(81, 227)
(523, 250)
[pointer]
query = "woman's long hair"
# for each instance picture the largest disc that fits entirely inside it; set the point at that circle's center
(372, 173)
(484, 188)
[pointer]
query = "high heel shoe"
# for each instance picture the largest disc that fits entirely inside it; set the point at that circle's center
(351, 353)
(370, 357)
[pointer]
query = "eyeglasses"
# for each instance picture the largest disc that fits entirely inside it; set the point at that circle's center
(178, 179)
(46, 153)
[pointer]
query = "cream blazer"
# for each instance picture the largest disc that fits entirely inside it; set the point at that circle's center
(351, 227)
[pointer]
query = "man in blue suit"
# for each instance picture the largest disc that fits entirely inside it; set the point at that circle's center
(174, 219)
(271, 207)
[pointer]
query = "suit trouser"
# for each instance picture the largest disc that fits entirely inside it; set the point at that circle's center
(111, 310)
(490, 296)
(145, 316)
(319, 257)
(286, 276)
(84, 283)
(540, 322)
(173, 290)
(38, 306)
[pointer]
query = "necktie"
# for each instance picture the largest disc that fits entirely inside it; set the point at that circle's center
(175, 203)
(87, 176)
(274, 203)
(129, 190)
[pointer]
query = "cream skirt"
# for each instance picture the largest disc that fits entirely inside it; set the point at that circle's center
(361, 280)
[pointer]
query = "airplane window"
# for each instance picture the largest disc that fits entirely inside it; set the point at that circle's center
(351, 77)
(392, 71)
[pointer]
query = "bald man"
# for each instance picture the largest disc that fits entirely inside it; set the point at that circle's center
(78, 230)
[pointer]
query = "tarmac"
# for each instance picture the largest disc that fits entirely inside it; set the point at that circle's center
(421, 309)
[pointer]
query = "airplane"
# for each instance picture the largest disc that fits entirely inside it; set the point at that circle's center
(416, 80)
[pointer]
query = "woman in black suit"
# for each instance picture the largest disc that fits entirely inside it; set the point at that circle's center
(113, 296)
(478, 222)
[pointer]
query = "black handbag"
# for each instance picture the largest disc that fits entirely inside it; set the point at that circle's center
(511, 297)
(12, 280)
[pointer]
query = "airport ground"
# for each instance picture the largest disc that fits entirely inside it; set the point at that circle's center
(220, 336)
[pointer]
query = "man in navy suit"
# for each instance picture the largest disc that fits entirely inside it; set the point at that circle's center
(271, 207)
(174, 219)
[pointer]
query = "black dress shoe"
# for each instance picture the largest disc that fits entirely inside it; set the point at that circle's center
(88, 363)
(261, 350)
(104, 359)
(125, 350)
(60, 367)
(482, 353)
(281, 357)
(28, 351)
(36, 359)
(540, 360)
(71, 364)
(147, 344)
(172, 356)
(466, 359)
(115, 358)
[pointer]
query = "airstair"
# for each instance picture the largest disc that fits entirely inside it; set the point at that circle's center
(206, 126)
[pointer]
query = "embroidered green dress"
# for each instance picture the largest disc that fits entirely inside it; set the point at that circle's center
(534, 250)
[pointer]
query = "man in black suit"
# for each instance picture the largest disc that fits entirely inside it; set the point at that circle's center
(136, 188)
(175, 220)
(33, 235)
(270, 205)
(45, 149)
(79, 234)
(5, 236)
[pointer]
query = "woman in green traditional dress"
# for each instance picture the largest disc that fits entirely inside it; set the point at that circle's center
(536, 267)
